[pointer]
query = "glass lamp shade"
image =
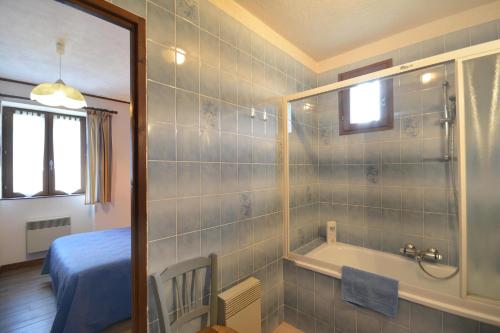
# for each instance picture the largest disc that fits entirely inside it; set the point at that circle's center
(58, 94)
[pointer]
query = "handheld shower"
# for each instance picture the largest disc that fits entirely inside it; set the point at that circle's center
(448, 122)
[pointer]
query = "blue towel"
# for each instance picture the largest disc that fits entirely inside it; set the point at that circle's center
(371, 291)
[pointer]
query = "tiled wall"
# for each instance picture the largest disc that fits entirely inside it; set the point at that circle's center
(214, 171)
(303, 145)
(390, 187)
(314, 304)
(383, 188)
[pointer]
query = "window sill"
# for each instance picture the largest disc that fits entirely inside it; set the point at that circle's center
(43, 197)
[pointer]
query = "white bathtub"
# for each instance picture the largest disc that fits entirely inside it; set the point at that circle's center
(414, 285)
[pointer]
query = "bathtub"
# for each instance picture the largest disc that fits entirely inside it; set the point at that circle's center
(414, 285)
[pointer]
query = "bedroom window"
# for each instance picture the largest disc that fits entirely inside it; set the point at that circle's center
(368, 106)
(43, 153)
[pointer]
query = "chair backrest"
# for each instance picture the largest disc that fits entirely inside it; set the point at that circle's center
(183, 276)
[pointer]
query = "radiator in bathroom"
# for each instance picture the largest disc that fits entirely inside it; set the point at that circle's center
(40, 234)
(239, 307)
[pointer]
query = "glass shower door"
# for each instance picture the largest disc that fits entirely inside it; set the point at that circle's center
(481, 130)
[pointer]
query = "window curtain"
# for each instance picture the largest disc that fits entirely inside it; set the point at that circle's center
(99, 155)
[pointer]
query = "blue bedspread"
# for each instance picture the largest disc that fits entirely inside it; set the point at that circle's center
(91, 277)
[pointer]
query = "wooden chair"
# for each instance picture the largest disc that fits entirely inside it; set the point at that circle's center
(185, 293)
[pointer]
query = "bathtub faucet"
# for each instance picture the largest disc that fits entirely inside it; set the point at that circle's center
(431, 254)
(409, 250)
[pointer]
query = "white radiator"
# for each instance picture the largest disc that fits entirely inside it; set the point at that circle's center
(240, 307)
(40, 234)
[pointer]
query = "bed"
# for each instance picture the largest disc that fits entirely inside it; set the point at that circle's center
(91, 278)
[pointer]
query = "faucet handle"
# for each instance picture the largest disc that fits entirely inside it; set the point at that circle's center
(408, 250)
(432, 254)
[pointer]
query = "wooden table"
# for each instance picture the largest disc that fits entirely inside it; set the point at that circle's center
(217, 329)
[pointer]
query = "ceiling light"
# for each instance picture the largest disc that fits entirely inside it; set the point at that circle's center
(58, 93)
(426, 77)
(180, 56)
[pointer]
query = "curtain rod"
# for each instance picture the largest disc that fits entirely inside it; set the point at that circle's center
(86, 108)
(100, 110)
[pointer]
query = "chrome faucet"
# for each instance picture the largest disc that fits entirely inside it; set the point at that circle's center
(409, 250)
(431, 254)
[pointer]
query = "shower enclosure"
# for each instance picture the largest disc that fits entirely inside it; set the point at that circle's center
(418, 201)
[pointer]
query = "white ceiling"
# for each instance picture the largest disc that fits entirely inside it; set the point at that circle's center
(325, 28)
(97, 56)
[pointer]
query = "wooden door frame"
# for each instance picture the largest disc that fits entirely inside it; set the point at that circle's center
(137, 27)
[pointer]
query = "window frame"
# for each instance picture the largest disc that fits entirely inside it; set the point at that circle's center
(386, 121)
(48, 172)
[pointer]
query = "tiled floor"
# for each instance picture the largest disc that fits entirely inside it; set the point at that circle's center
(286, 328)
(27, 303)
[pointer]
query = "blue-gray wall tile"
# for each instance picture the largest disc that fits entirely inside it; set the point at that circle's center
(161, 63)
(161, 219)
(484, 33)
(188, 178)
(160, 25)
(188, 143)
(161, 103)
(209, 80)
(161, 142)
(187, 108)
(229, 236)
(187, 9)
(209, 17)
(210, 241)
(229, 267)
(137, 7)
(166, 4)
(210, 211)
(424, 319)
(209, 49)
(188, 245)
(161, 253)
(456, 324)
(457, 40)
(167, 172)
(188, 215)
(188, 74)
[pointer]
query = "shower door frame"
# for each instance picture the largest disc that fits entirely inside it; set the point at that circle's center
(457, 56)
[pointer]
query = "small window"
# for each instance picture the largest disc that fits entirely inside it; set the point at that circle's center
(43, 153)
(368, 106)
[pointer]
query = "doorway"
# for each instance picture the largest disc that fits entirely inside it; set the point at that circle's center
(137, 138)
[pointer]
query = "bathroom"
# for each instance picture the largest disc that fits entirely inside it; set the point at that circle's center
(383, 188)
(314, 152)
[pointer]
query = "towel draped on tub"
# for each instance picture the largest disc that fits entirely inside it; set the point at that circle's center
(371, 291)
